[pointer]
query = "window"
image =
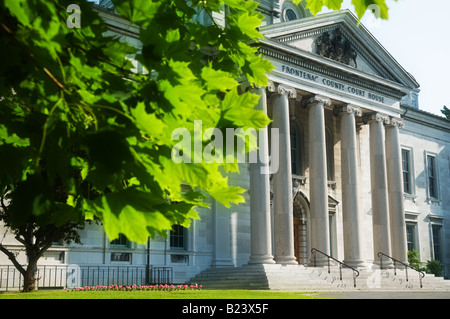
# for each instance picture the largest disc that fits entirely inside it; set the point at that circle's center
(411, 237)
(406, 169)
(436, 230)
(122, 241)
(290, 15)
(178, 237)
(297, 153)
(120, 257)
(432, 177)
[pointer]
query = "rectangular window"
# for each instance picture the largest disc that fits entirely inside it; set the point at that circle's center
(406, 169)
(436, 229)
(411, 237)
(120, 256)
(178, 237)
(432, 177)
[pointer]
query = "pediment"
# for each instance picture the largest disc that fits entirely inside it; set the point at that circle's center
(338, 39)
(336, 44)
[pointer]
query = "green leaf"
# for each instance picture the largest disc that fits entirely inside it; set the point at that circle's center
(149, 123)
(139, 12)
(315, 6)
(238, 108)
(248, 24)
(217, 79)
(259, 68)
(379, 7)
(132, 212)
(20, 9)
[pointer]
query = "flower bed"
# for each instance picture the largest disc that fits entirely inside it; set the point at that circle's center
(161, 287)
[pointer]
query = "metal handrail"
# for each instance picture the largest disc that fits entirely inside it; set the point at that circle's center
(421, 273)
(355, 272)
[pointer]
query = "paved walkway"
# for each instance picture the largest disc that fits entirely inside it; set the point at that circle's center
(384, 294)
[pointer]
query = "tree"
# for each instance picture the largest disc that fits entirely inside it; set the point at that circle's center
(82, 136)
(36, 234)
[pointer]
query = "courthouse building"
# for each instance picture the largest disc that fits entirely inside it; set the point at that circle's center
(362, 169)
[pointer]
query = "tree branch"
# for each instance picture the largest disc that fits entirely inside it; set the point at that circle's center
(13, 259)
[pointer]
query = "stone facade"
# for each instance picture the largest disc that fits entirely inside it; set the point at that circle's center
(351, 133)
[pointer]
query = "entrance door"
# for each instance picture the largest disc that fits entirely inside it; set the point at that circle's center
(297, 239)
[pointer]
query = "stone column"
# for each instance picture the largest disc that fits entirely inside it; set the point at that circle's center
(395, 191)
(352, 215)
(260, 226)
(222, 255)
(282, 179)
(320, 235)
(378, 176)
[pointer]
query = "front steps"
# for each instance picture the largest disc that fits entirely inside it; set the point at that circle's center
(296, 277)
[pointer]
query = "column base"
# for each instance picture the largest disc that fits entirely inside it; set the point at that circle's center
(261, 259)
(286, 260)
(387, 264)
(355, 263)
(320, 261)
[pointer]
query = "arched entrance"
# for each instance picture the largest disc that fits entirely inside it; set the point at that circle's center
(302, 231)
(301, 234)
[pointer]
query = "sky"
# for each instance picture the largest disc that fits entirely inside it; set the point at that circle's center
(417, 36)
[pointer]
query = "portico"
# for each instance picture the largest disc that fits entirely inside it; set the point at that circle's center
(346, 104)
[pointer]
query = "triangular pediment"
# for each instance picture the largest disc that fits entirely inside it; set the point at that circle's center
(338, 39)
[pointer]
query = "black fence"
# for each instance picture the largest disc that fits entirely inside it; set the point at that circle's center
(70, 276)
(111, 275)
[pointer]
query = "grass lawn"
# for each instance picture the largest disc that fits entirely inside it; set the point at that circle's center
(182, 294)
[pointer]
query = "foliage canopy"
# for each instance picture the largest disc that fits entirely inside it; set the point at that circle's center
(82, 135)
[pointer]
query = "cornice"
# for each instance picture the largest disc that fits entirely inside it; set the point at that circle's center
(425, 118)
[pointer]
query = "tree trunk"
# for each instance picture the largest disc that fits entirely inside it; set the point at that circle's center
(29, 278)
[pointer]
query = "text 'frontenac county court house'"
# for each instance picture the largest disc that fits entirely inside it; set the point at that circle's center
(362, 169)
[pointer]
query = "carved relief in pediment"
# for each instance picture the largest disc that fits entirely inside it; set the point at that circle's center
(336, 48)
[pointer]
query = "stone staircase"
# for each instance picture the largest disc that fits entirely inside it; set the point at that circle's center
(296, 277)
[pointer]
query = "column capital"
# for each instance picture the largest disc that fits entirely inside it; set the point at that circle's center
(271, 86)
(395, 121)
(282, 89)
(379, 117)
(347, 109)
(317, 99)
(290, 91)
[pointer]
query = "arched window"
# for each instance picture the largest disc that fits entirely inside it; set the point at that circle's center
(290, 15)
(290, 11)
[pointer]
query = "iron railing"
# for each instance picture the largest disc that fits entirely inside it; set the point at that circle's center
(341, 264)
(69, 276)
(48, 276)
(120, 275)
(421, 274)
